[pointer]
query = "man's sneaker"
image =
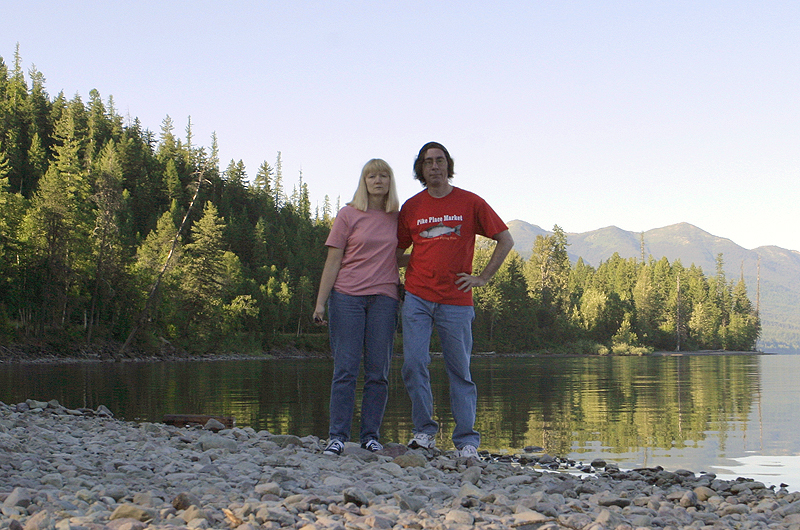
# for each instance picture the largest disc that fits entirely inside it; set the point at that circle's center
(422, 440)
(335, 447)
(372, 445)
(468, 451)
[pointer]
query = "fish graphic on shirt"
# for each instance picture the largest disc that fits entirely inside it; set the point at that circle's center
(440, 230)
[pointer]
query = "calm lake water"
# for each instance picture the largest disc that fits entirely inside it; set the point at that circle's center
(734, 415)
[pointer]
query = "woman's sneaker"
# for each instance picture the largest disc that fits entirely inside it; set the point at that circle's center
(335, 447)
(422, 441)
(372, 445)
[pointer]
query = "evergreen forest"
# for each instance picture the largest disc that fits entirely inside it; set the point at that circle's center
(119, 239)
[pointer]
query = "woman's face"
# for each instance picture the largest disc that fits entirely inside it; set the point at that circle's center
(378, 183)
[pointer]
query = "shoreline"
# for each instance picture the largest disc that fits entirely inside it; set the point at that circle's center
(109, 352)
(84, 470)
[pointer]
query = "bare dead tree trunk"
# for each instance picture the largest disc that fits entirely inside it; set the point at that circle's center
(678, 317)
(151, 294)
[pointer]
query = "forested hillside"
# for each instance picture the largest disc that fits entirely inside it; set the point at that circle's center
(111, 232)
(91, 206)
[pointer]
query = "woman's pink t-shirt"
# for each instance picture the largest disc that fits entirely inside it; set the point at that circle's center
(369, 240)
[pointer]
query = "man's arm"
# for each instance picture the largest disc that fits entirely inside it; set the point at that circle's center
(402, 257)
(504, 245)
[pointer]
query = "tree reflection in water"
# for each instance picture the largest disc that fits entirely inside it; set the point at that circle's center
(685, 410)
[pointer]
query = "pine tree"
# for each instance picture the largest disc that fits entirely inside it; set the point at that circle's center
(261, 247)
(211, 166)
(203, 254)
(143, 179)
(172, 182)
(16, 128)
(548, 270)
(647, 304)
(37, 159)
(744, 328)
(46, 232)
(167, 148)
(114, 119)
(57, 228)
(41, 127)
(490, 305)
(235, 190)
(153, 252)
(204, 282)
(107, 249)
(4, 170)
(99, 127)
(80, 131)
(277, 187)
(11, 212)
(189, 135)
(303, 200)
(327, 215)
(720, 291)
(3, 80)
(704, 316)
(263, 178)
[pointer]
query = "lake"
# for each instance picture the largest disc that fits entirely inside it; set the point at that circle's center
(734, 415)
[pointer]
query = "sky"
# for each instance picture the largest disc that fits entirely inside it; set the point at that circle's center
(579, 114)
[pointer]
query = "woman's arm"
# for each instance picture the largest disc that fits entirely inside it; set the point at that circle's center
(329, 273)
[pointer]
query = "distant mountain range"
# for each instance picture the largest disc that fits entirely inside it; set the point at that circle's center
(780, 268)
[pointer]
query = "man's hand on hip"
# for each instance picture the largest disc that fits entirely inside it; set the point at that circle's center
(466, 282)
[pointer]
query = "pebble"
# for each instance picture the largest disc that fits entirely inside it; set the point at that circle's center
(66, 469)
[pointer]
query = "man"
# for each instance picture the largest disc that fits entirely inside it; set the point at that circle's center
(441, 222)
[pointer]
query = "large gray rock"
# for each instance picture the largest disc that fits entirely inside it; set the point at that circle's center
(41, 520)
(411, 460)
(131, 511)
(215, 441)
(18, 497)
(193, 512)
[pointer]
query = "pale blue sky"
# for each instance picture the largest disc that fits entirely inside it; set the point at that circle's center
(581, 114)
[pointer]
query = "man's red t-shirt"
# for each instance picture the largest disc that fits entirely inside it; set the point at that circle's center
(443, 233)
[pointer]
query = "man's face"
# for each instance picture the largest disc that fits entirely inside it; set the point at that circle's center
(434, 168)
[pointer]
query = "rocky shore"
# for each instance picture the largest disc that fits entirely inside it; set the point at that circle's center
(82, 469)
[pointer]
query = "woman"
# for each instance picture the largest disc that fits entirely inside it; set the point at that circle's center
(360, 284)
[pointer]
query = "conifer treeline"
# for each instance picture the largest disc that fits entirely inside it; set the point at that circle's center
(624, 306)
(90, 207)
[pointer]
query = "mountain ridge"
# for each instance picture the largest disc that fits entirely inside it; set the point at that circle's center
(777, 292)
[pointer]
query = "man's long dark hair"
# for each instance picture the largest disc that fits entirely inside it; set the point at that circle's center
(421, 158)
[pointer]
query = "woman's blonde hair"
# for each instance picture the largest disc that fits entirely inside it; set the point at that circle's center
(361, 198)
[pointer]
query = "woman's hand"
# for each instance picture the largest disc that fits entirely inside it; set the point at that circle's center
(329, 272)
(319, 315)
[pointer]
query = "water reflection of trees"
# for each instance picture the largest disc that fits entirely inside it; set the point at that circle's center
(279, 396)
(623, 403)
(564, 404)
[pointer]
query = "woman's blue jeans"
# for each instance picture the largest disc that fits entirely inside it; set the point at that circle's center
(361, 329)
(454, 325)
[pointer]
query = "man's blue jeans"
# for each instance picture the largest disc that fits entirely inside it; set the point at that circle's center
(361, 328)
(454, 324)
